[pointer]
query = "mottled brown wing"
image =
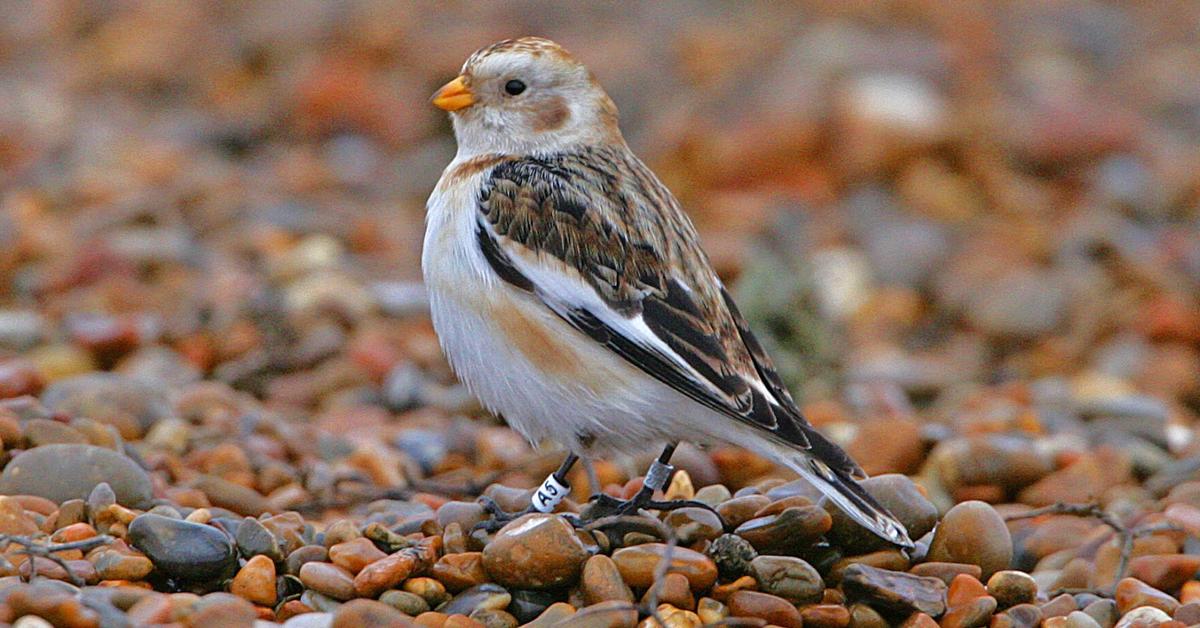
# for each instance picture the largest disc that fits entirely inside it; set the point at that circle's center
(601, 213)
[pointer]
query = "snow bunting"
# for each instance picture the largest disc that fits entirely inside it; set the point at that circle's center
(570, 293)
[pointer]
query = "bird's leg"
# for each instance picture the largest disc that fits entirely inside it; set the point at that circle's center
(658, 478)
(553, 490)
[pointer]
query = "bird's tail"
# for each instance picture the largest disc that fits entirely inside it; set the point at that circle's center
(849, 495)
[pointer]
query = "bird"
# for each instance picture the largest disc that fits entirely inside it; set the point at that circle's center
(570, 293)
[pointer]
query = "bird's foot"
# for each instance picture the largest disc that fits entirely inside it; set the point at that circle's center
(602, 505)
(498, 517)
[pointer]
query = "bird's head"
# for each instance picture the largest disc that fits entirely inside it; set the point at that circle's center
(527, 95)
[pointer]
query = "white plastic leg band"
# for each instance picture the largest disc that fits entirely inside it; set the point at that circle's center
(659, 476)
(549, 494)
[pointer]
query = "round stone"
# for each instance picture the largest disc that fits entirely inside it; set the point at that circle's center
(69, 471)
(536, 551)
(973, 533)
(183, 550)
(1012, 587)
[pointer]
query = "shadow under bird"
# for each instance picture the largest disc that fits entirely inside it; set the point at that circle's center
(570, 293)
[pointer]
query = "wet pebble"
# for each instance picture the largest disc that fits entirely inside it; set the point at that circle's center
(182, 549)
(535, 551)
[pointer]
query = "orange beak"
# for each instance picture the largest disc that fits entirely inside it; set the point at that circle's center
(454, 95)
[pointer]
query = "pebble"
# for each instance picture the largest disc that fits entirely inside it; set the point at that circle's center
(387, 573)
(774, 610)
(1165, 571)
(1012, 587)
(742, 508)
(603, 615)
(410, 604)
(128, 404)
(796, 526)
(693, 524)
(356, 613)
(946, 571)
(354, 555)
(535, 551)
(974, 533)
(253, 539)
(184, 550)
(637, 565)
(229, 495)
(1143, 616)
(970, 614)
(1132, 593)
(789, 578)
(255, 581)
(71, 471)
(825, 616)
(601, 581)
(328, 579)
(460, 571)
(114, 565)
(483, 596)
(896, 591)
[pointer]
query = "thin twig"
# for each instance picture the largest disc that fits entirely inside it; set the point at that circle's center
(33, 548)
(1124, 534)
(660, 573)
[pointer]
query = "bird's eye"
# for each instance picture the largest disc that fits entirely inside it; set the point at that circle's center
(514, 87)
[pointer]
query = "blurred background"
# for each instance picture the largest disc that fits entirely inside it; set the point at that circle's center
(947, 219)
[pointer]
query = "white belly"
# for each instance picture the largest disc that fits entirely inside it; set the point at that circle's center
(547, 379)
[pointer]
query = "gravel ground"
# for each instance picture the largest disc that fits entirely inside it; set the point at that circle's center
(970, 237)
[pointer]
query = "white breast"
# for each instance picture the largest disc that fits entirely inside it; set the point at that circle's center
(546, 378)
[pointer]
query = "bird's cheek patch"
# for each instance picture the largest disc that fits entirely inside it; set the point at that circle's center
(551, 115)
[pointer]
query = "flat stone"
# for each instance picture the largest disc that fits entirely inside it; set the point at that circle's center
(789, 578)
(895, 591)
(63, 472)
(946, 571)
